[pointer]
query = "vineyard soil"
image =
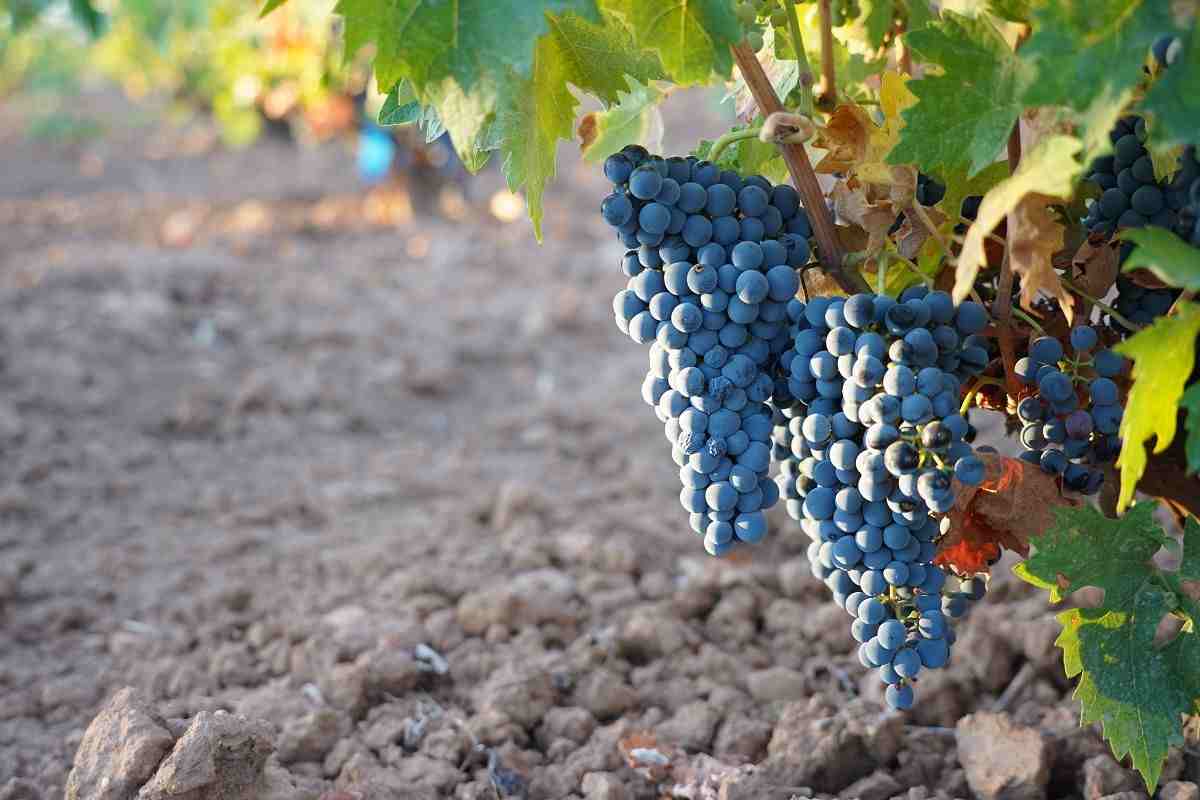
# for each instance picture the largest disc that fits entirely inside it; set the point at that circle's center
(258, 449)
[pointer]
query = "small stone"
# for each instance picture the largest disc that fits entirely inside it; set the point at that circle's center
(776, 683)
(742, 739)
(120, 751)
(692, 727)
(17, 789)
(524, 695)
(811, 748)
(796, 579)
(878, 785)
(391, 671)
(1179, 790)
(566, 722)
(311, 737)
(1102, 775)
(649, 633)
(1126, 796)
(1002, 760)
(345, 687)
(532, 598)
(604, 694)
(603, 786)
(220, 757)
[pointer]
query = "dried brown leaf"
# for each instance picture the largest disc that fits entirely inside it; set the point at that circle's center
(1034, 237)
(845, 138)
(1095, 267)
(1013, 504)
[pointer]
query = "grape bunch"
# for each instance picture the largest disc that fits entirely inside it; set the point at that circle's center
(871, 444)
(1071, 420)
(1139, 304)
(711, 295)
(1131, 195)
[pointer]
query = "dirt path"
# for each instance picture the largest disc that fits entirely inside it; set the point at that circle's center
(256, 449)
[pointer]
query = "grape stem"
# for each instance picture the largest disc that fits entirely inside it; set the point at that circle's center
(881, 273)
(979, 383)
(1028, 319)
(729, 138)
(829, 247)
(1100, 304)
(827, 91)
(805, 104)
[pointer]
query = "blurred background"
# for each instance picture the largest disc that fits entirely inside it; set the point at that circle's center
(297, 420)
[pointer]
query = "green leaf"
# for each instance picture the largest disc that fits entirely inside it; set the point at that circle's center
(876, 19)
(1085, 548)
(633, 120)
(401, 107)
(1191, 402)
(533, 114)
(1173, 99)
(270, 6)
(1163, 355)
(597, 57)
(1082, 48)
(959, 187)
(969, 110)
(1189, 565)
(692, 37)
(1012, 10)
(1166, 255)
(86, 15)
(1137, 691)
(469, 118)
(427, 41)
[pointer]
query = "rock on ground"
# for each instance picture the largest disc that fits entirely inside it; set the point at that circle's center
(1003, 760)
(220, 757)
(120, 750)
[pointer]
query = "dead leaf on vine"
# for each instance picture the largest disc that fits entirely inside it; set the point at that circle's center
(1034, 237)
(875, 206)
(845, 139)
(1095, 267)
(1013, 504)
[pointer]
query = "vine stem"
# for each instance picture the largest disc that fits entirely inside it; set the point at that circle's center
(796, 157)
(828, 89)
(722, 143)
(806, 74)
(1027, 319)
(1002, 307)
(1100, 304)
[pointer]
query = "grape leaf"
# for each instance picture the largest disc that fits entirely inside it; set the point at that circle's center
(959, 187)
(969, 110)
(469, 118)
(1191, 402)
(1166, 255)
(86, 15)
(692, 37)
(1173, 100)
(855, 144)
(1163, 355)
(1044, 174)
(598, 56)
(401, 107)
(1082, 48)
(427, 41)
(533, 114)
(1012, 10)
(633, 120)
(270, 6)
(1137, 691)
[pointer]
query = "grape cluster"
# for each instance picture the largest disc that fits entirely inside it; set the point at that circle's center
(1139, 304)
(710, 286)
(1131, 195)
(871, 441)
(1071, 420)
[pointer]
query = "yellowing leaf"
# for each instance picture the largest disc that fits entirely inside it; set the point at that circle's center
(859, 146)
(1163, 355)
(1046, 172)
(633, 120)
(959, 187)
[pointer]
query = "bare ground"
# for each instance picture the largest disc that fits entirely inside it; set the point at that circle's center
(263, 439)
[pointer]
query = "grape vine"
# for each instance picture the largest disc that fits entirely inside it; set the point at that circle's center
(1018, 186)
